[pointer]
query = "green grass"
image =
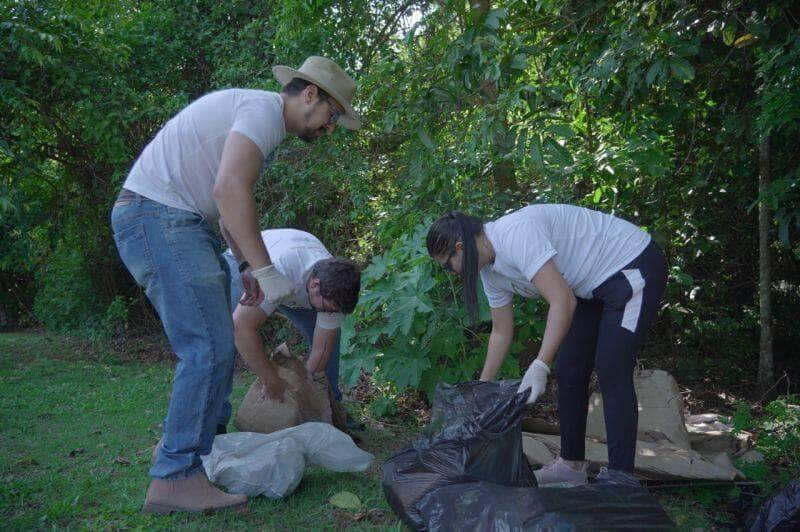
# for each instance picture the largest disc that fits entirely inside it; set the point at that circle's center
(688, 511)
(77, 432)
(77, 427)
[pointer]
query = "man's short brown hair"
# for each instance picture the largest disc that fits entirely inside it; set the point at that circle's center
(298, 85)
(339, 282)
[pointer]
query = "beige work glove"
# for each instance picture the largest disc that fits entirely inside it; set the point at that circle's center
(275, 285)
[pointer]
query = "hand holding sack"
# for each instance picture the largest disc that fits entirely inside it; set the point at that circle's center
(300, 399)
(274, 389)
(275, 285)
(535, 379)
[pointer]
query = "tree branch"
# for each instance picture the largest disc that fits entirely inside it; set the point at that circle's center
(386, 31)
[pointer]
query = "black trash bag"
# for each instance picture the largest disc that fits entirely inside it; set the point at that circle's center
(474, 435)
(486, 506)
(779, 512)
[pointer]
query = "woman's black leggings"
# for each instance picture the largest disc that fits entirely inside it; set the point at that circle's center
(606, 334)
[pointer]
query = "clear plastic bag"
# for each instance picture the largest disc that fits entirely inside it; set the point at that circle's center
(326, 446)
(273, 464)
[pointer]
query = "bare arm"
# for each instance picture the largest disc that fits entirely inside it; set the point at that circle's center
(499, 340)
(233, 191)
(551, 284)
(253, 295)
(248, 342)
(321, 348)
(230, 241)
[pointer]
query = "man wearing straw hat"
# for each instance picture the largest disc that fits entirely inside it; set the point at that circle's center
(199, 169)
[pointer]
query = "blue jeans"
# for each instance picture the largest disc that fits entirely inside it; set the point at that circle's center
(176, 257)
(304, 319)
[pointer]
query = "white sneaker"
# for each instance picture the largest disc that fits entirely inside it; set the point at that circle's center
(617, 477)
(558, 472)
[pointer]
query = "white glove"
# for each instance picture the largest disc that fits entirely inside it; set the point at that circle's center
(275, 285)
(535, 379)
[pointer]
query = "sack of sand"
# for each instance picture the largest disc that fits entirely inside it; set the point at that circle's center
(305, 400)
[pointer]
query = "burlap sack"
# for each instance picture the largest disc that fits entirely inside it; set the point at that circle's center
(305, 399)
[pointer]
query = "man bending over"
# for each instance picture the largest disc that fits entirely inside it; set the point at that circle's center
(324, 289)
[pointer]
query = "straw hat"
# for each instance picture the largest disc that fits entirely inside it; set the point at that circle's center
(329, 77)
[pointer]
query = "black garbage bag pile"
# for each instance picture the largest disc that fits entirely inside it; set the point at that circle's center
(486, 506)
(780, 512)
(469, 472)
(474, 435)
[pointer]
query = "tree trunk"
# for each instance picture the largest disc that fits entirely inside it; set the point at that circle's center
(765, 358)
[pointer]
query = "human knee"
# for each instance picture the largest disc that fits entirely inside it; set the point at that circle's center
(615, 380)
(571, 378)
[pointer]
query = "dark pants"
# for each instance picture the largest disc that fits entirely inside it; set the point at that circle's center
(606, 334)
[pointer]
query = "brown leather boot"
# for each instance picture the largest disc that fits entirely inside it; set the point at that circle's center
(193, 494)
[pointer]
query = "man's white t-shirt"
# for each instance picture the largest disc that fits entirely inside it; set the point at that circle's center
(294, 253)
(586, 246)
(179, 166)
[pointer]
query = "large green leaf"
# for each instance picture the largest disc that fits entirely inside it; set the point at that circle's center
(405, 368)
(682, 68)
(402, 312)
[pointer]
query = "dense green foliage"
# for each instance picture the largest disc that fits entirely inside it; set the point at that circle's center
(650, 110)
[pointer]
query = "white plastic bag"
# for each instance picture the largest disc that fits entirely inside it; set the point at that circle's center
(246, 465)
(327, 446)
(272, 464)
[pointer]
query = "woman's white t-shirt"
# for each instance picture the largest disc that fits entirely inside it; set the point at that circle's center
(586, 246)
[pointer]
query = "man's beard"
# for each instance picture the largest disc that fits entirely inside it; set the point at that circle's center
(309, 134)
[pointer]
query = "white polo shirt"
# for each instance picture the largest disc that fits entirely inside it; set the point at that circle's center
(294, 253)
(179, 166)
(586, 246)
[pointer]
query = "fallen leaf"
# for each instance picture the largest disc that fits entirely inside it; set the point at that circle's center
(346, 500)
(122, 460)
(73, 452)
